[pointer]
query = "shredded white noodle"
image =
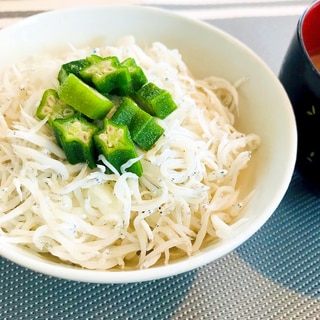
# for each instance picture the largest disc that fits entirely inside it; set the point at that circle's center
(187, 198)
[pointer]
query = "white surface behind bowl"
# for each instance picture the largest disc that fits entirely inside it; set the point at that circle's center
(264, 109)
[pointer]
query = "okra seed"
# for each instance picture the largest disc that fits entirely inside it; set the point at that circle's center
(51, 101)
(67, 112)
(103, 136)
(46, 110)
(85, 136)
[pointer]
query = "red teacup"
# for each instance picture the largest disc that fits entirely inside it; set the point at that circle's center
(310, 33)
(300, 77)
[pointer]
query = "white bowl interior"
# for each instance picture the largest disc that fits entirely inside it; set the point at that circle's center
(264, 108)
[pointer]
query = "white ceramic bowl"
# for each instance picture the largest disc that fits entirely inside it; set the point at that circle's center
(264, 109)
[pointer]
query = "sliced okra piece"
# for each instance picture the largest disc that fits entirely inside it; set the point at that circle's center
(107, 74)
(154, 100)
(125, 112)
(138, 78)
(53, 107)
(75, 136)
(115, 143)
(148, 135)
(84, 98)
(144, 130)
(72, 67)
(86, 73)
(94, 58)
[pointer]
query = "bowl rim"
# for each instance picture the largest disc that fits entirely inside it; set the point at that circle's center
(188, 264)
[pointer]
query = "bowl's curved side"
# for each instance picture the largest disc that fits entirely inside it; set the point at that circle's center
(264, 108)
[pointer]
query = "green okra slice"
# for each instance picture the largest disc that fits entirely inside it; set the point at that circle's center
(125, 112)
(115, 143)
(53, 107)
(94, 58)
(107, 75)
(154, 100)
(138, 77)
(144, 129)
(84, 98)
(72, 67)
(87, 72)
(148, 135)
(75, 136)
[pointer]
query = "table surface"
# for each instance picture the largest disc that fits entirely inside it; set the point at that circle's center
(273, 275)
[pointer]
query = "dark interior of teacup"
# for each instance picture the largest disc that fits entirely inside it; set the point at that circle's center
(310, 31)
